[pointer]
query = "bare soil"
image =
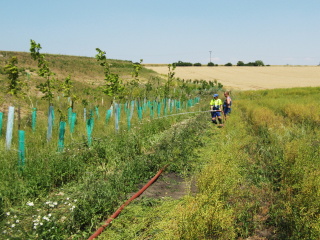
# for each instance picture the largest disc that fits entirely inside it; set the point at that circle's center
(169, 185)
(250, 78)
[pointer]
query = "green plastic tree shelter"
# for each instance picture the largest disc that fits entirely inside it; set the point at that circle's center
(139, 111)
(69, 115)
(62, 130)
(21, 151)
(73, 121)
(108, 115)
(116, 117)
(9, 127)
(90, 123)
(1, 119)
(97, 112)
(34, 119)
(50, 123)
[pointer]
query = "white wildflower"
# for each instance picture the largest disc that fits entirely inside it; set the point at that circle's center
(13, 225)
(46, 218)
(30, 204)
(7, 213)
(17, 221)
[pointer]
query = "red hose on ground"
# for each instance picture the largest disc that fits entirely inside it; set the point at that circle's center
(116, 213)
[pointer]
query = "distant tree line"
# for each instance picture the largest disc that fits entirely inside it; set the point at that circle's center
(211, 64)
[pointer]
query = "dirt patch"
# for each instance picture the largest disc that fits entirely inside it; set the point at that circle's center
(169, 185)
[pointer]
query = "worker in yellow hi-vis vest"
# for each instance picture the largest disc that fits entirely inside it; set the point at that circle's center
(216, 109)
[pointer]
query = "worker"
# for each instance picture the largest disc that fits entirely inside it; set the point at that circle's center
(227, 105)
(216, 109)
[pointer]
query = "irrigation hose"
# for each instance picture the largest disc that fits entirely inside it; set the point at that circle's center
(116, 213)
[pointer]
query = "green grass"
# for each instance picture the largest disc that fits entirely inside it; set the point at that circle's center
(259, 175)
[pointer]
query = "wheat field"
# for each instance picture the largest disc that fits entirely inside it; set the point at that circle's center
(250, 78)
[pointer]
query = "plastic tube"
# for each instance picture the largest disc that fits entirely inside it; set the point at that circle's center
(116, 213)
(9, 128)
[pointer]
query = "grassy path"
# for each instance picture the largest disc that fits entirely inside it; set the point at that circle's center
(257, 178)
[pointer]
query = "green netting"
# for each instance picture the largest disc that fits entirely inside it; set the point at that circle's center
(21, 151)
(62, 130)
(34, 119)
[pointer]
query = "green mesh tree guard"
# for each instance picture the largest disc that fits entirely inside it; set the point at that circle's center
(21, 151)
(151, 110)
(50, 123)
(139, 108)
(9, 127)
(52, 113)
(159, 108)
(69, 115)
(165, 107)
(73, 122)
(178, 105)
(1, 121)
(116, 117)
(62, 130)
(97, 112)
(108, 115)
(90, 124)
(132, 108)
(128, 119)
(34, 119)
(119, 112)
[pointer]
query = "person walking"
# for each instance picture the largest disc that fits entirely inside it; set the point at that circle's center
(216, 109)
(227, 105)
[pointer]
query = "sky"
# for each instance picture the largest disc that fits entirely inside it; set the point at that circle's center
(278, 32)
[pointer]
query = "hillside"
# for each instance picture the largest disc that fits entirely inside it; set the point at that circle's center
(82, 69)
(86, 74)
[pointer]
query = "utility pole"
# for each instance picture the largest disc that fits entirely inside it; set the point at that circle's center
(210, 55)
